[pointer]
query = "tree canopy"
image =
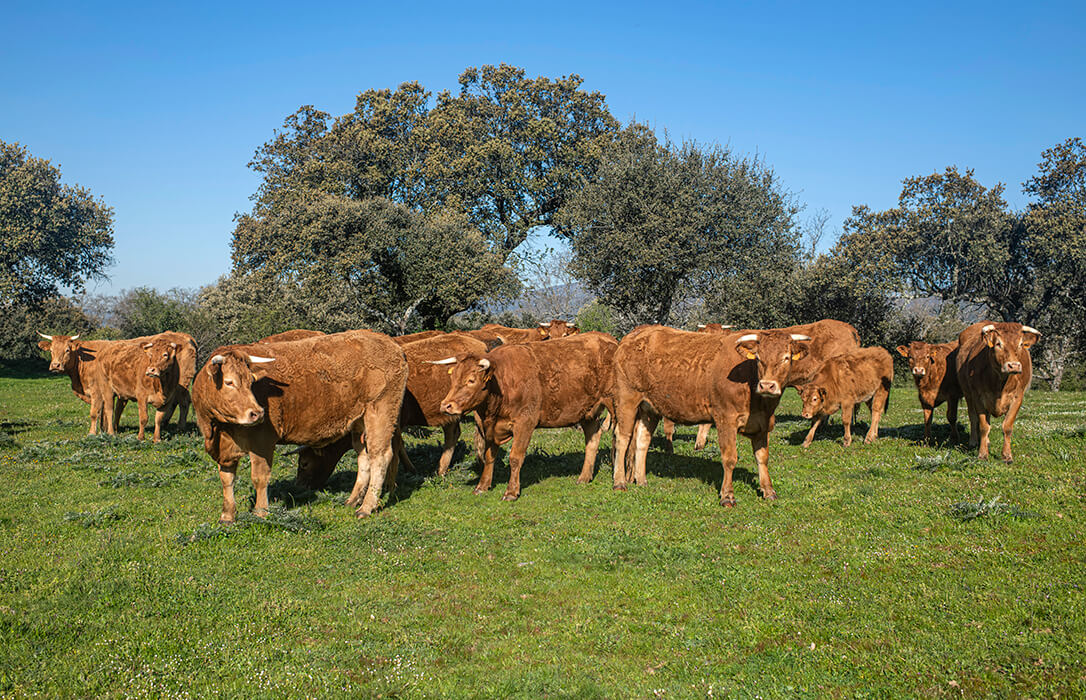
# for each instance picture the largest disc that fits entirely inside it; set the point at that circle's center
(52, 235)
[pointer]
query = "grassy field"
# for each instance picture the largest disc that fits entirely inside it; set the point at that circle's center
(885, 570)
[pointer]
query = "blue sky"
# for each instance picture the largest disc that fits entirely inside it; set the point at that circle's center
(158, 109)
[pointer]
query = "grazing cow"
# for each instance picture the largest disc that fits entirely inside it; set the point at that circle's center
(934, 369)
(144, 372)
(734, 380)
(78, 359)
(314, 391)
(427, 385)
(515, 389)
(994, 371)
(828, 338)
(843, 381)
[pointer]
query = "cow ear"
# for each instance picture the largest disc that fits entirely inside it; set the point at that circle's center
(1030, 336)
(543, 332)
(822, 392)
(45, 344)
(214, 366)
(574, 329)
(989, 333)
(902, 350)
(747, 346)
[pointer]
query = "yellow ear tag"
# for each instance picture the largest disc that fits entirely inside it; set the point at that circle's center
(450, 370)
(796, 356)
(750, 355)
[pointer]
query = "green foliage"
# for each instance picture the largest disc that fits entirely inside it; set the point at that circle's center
(597, 317)
(94, 518)
(661, 225)
(21, 322)
(51, 235)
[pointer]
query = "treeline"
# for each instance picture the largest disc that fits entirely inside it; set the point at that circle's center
(410, 212)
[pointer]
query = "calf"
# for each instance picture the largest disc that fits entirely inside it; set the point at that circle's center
(935, 372)
(179, 399)
(734, 380)
(314, 391)
(994, 371)
(79, 360)
(863, 375)
(141, 372)
(515, 389)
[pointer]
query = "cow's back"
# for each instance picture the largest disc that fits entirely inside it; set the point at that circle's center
(293, 334)
(829, 338)
(857, 373)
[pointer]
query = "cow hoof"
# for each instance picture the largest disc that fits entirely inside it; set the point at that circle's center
(583, 480)
(353, 501)
(478, 490)
(510, 497)
(1008, 459)
(728, 501)
(224, 521)
(771, 496)
(618, 487)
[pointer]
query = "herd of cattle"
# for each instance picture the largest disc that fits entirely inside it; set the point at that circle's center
(328, 393)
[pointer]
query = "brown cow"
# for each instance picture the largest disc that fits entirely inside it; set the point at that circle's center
(179, 398)
(78, 359)
(556, 328)
(315, 391)
(828, 339)
(934, 369)
(734, 380)
(703, 429)
(843, 381)
(287, 336)
(510, 336)
(994, 371)
(515, 389)
(141, 372)
(427, 385)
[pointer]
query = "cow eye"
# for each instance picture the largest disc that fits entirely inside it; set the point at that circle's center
(229, 382)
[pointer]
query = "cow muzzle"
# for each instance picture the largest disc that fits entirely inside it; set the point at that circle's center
(769, 388)
(152, 372)
(252, 417)
(919, 371)
(1012, 368)
(54, 367)
(451, 408)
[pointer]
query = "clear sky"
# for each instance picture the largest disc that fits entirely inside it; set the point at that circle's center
(157, 108)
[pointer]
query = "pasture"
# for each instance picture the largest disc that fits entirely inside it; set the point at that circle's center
(884, 570)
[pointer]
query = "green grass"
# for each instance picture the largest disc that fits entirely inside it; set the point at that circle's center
(886, 570)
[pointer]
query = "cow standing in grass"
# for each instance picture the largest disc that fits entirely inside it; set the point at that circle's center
(79, 360)
(314, 391)
(994, 371)
(144, 372)
(515, 389)
(843, 382)
(934, 369)
(734, 380)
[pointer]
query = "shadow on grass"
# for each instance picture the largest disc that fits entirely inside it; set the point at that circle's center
(17, 426)
(25, 370)
(913, 433)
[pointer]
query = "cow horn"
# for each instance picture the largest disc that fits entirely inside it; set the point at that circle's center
(701, 325)
(484, 363)
(727, 326)
(217, 360)
(989, 327)
(446, 361)
(797, 336)
(1030, 329)
(257, 359)
(47, 337)
(746, 338)
(75, 337)
(146, 346)
(545, 325)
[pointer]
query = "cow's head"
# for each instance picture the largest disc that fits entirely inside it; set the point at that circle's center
(922, 358)
(773, 353)
(233, 373)
(814, 398)
(470, 376)
(63, 350)
(161, 357)
(1008, 343)
(557, 329)
(712, 328)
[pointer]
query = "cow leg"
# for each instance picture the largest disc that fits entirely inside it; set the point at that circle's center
(593, 429)
(703, 436)
(160, 419)
(625, 423)
(260, 469)
(118, 405)
(952, 418)
(393, 469)
(362, 480)
(452, 436)
(669, 435)
(985, 428)
(1008, 428)
(877, 405)
(522, 435)
(380, 429)
(726, 436)
(759, 442)
(811, 433)
(141, 411)
(490, 456)
(479, 439)
(846, 419)
(183, 401)
(974, 425)
(401, 453)
(646, 424)
(96, 406)
(227, 475)
(928, 412)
